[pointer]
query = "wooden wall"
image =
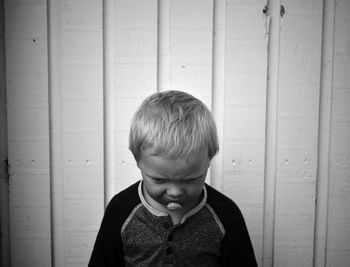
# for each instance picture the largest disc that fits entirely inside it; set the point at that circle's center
(73, 72)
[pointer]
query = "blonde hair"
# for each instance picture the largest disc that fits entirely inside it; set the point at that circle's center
(173, 124)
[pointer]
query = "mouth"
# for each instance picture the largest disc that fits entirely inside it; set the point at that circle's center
(173, 206)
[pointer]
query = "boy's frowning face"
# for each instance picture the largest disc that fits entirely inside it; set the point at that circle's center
(178, 181)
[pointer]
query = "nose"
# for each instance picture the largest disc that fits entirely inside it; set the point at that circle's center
(174, 191)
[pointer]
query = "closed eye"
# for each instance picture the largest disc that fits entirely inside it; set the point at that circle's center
(158, 180)
(193, 180)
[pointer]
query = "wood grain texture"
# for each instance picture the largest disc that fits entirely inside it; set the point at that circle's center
(245, 106)
(324, 135)
(108, 100)
(191, 28)
(239, 57)
(338, 239)
(4, 167)
(273, 29)
(218, 89)
(298, 101)
(82, 127)
(135, 76)
(28, 132)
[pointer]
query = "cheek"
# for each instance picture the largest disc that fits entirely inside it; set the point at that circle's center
(153, 190)
(194, 191)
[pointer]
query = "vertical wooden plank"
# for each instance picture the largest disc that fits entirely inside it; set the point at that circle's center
(82, 126)
(163, 49)
(109, 99)
(135, 75)
(191, 29)
(4, 172)
(218, 88)
(338, 239)
(55, 125)
(298, 109)
(28, 132)
(245, 105)
(273, 29)
(324, 135)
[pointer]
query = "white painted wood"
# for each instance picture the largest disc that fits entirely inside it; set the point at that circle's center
(218, 89)
(245, 106)
(105, 57)
(163, 49)
(4, 168)
(81, 67)
(298, 108)
(191, 36)
(324, 135)
(109, 99)
(135, 75)
(338, 235)
(56, 140)
(273, 29)
(28, 132)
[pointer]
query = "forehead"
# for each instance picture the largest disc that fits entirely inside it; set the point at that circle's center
(160, 167)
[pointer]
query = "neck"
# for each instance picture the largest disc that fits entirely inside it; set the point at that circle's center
(175, 218)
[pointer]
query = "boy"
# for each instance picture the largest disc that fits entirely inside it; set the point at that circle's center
(171, 217)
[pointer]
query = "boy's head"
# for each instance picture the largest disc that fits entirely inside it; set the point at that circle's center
(173, 138)
(173, 124)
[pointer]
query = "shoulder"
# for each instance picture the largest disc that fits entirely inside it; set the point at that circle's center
(237, 249)
(225, 208)
(220, 202)
(128, 194)
(122, 204)
(108, 248)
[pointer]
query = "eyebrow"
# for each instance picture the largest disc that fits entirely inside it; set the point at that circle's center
(164, 178)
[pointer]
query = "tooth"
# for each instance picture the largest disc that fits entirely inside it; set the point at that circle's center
(174, 206)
